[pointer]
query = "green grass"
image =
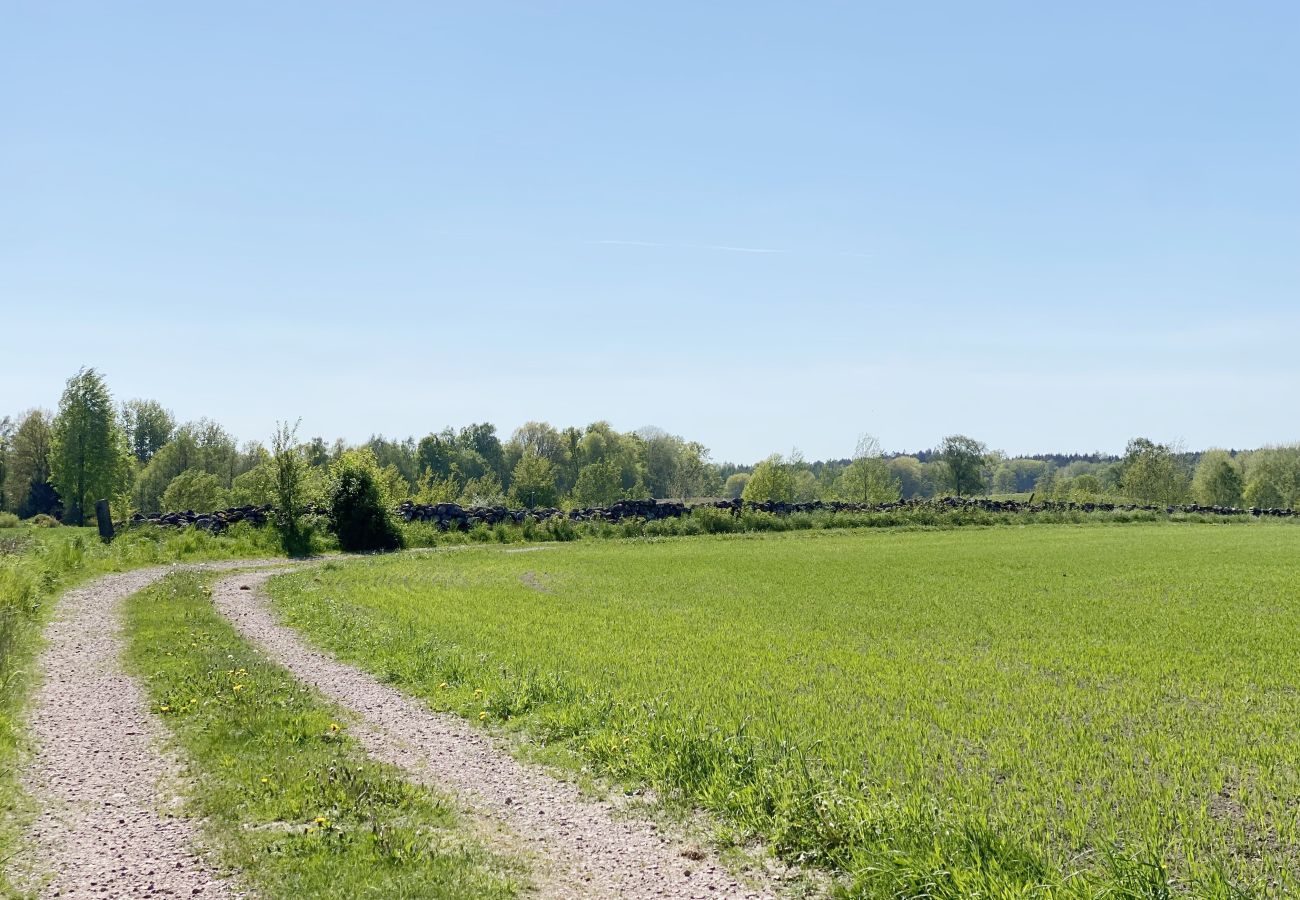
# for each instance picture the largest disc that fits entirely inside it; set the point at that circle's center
(36, 564)
(289, 797)
(1010, 712)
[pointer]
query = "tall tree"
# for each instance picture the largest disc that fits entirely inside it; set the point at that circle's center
(963, 463)
(735, 485)
(533, 482)
(598, 484)
(1218, 480)
(772, 479)
(694, 475)
(289, 468)
(536, 439)
(7, 428)
(436, 454)
(481, 439)
(1273, 477)
(868, 478)
(1152, 473)
(660, 458)
(148, 427)
(28, 491)
(89, 458)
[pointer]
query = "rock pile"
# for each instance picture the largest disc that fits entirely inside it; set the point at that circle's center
(209, 521)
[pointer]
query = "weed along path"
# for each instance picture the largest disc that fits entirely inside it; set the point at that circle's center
(107, 823)
(576, 847)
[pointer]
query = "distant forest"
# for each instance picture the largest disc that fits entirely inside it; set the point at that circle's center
(137, 455)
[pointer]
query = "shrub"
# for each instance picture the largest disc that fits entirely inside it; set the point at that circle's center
(560, 530)
(715, 522)
(358, 506)
(286, 483)
(43, 521)
(197, 490)
(8, 520)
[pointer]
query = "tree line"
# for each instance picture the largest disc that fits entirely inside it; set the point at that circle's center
(139, 457)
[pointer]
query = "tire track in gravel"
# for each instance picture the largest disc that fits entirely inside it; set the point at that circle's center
(576, 847)
(107, 823)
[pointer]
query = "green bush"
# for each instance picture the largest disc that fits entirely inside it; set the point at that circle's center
(8, 520)
(716, 521)
(43, 521)
(358, 507)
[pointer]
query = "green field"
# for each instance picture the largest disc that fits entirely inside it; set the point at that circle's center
(1011, 712)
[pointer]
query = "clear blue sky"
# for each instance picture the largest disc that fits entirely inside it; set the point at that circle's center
(1050, 226)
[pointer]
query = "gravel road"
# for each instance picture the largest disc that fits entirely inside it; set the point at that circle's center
(576, 847)
(104, 781)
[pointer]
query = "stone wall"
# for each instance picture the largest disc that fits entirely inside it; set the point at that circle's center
(454, 516)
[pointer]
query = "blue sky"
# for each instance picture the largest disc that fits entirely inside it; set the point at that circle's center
(1050, 226)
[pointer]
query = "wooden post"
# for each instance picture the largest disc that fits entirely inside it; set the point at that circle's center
(105, 520)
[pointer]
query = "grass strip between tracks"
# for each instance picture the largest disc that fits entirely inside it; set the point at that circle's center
(290, 798)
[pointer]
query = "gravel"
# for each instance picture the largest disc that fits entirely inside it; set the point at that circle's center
(576, 847)
(109, 820)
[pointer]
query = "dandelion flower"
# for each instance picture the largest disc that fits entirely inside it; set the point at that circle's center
(482, 716)
(478, 692)
(265, 780)
(239, 687)
(443, 686)
(164, 709)
(334, 727)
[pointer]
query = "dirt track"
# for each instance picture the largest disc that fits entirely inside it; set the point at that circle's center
(576, 847)
(107, 823)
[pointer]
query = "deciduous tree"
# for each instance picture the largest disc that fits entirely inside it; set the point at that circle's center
(148, 427)
(1217, 481)
(89, 458)
(532, 484)
(195, 490)
(1152, 473)
(772, 479)
(867, 479)
(28, 491)
(598, 484)
(963, 463)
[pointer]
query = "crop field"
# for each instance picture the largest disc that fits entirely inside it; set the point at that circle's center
(1012, 712)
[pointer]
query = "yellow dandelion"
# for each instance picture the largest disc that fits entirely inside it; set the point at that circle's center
(265, 780)
(322, 821)
(334, 727)
(478, 692)
(164, 709)
(443, 686)
(482, 716)
(239, 687)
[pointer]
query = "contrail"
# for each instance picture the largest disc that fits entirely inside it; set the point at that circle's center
(690, 246)
(730, 249)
